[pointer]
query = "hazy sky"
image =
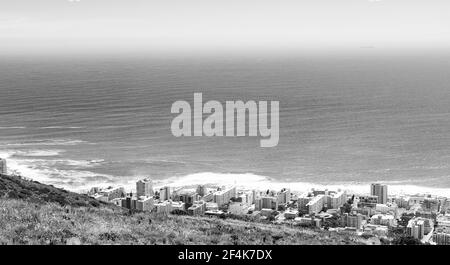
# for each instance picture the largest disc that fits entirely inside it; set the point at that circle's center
(215, 25)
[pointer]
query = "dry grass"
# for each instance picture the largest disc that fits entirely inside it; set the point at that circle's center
(35, 213)
(24, 222)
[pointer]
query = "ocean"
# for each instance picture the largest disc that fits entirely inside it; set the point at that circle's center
(345, 121)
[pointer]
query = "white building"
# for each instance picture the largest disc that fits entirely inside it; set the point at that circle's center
(379, 230)
(144, 204)
(197, 208)
(212, 206)
(163, 207)
(352, 220)
(443, 221)
(201, 190)
(208, 197)
(100, 197)
(238, 208)
(266, 212)
(290, 214)
(315, 205)
(284, 196)
(247, 197)
(387, 208)
(402, 202)
(113, 193)
(178, 206)
(266, 202)
(3, 166)
(117, 201)
(308, 221)
(379, 190)
(383, 219)
(416, 228)
(416, 199)
(164, 193)
(336, 199)
(144, 187)
(302, 201)
(223, 196)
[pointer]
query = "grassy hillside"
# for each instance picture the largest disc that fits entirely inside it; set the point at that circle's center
(23, 222)
(34, 213)
(16, 187)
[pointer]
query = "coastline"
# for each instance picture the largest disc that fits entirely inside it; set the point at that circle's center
(252, 181)
(240, 180)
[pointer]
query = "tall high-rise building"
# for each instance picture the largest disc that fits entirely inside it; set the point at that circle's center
(315, 205)
(380, 191)
(336, 199)
(266, 202)
(416, 228)
(201, 190)
(223, 196)
(144, 187)
(284, 196)
(164, 193)
(302, 201)
(2, 166)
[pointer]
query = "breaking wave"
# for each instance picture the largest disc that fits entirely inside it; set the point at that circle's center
(49, 142)
(252, 181)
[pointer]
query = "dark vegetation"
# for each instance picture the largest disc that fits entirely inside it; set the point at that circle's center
(16, 187)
